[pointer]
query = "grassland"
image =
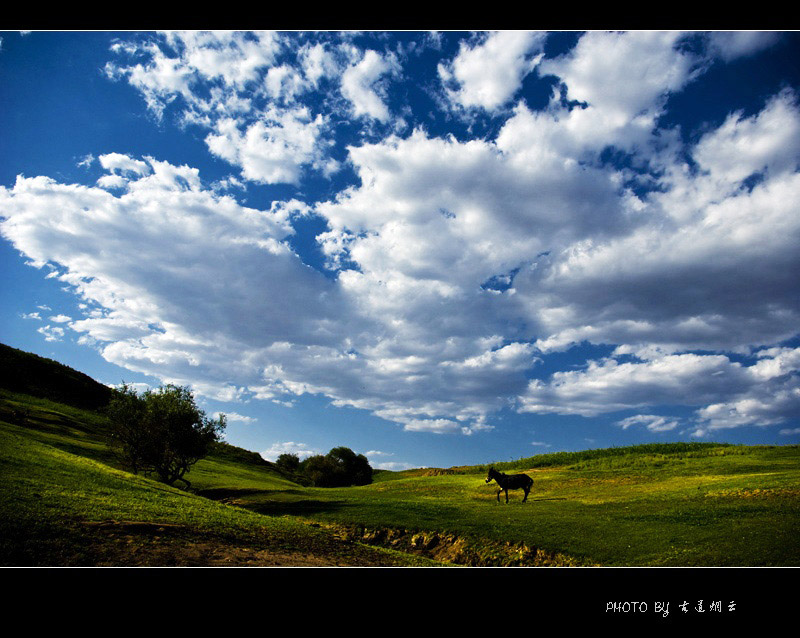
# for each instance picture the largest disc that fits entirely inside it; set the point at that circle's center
(711, 505)
(64, 501)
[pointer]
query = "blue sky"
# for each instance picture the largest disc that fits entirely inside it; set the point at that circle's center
(434, 248)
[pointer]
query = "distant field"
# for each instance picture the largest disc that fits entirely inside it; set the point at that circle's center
(65, 502)
(708, 506)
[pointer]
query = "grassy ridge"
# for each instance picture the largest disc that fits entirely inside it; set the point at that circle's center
(605, 456)
(29, 373)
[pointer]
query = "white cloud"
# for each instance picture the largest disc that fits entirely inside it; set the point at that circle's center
(730, 45)
(371, 453)
(488, 74)
(235, 58)
(147, 257)
(112, 182)
(393, 466)
(361, 84)
(231, 84)
(51, 333)
(609, 385)
(236, 417)
(652, 422)
(725, 393)
(623, 80)
(229, 60)
(437, 426)
(273, 150)
(769, 141)
(723, 248)
(288, 447)
(119, 163)
(318, 63)
(86, 161)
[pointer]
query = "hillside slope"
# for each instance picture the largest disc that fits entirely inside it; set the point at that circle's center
(40, 377)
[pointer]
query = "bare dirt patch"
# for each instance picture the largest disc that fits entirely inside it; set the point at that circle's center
(147, 544)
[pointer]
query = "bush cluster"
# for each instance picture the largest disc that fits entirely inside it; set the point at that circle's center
(341, 467)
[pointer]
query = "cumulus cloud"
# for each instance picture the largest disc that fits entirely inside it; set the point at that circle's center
(51, 333)
(236, 417)
(235, 85)
(273, 150)
(651, 422)
(621, 82)
(488, 74)
(179, 277)
(288, 447)
(455, 267)
(361, 85)
(730, 45)
(724, 392)
(259, 95)
(119, 163)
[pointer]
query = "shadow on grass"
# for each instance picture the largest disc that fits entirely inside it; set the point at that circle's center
(263, 502)
(224, 493)
(295, 508)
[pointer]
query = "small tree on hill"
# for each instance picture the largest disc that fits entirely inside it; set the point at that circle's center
(161, 431)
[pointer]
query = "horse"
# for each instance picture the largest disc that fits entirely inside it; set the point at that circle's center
(510, 482)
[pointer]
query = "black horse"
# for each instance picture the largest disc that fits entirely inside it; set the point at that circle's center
(510, 482)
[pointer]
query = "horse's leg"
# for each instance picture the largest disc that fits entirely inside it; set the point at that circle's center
(498, 494)
(525, 498)
(506, 495)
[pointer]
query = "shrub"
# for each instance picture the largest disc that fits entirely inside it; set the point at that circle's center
(341, 467)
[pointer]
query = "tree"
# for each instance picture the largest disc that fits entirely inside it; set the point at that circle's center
(318, 470)
(340, 467)
(350, 468)
(288, 463)
(161, 431)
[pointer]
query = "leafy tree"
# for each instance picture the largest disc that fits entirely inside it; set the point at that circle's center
(350, 468)
(318, 470)
(340, 467)
(288, 463)
(161, 431)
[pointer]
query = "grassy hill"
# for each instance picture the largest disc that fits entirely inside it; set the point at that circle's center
(64, 501)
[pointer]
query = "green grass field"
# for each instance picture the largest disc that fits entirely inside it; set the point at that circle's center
(65, 502)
